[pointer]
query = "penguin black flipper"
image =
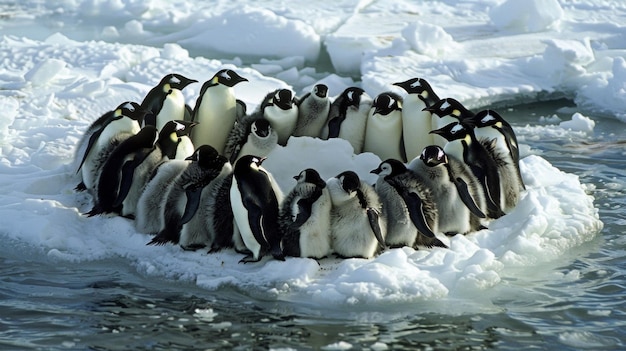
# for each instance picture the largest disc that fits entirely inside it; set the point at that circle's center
(334, 127)
(150, 119)
(128, 173)
(466, 197)
(193, 203)
(493, 196)
(372, 216)
(513, 146)
(416, 213)
(92, 141)
(305, 207)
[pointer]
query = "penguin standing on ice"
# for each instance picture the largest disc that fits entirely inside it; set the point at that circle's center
(383, 132)
(102, 137)
(459, 196)
(255, 198)
(446, 111)
(313, 110)
(216, 109)
(416, 122)
(408, 206)
(357, 226)
(166, 102)
(304, 217)
(251, 137)
(347, 117)
(496, 134)
(280, 109)
(463, 146)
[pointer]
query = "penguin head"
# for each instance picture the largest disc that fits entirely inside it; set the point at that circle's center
(261, 127)
(249, 162)
(452, 131)
(175, 81)
(311, 176)
(147, 136)
(283, 98)
(449, 107)
(389, 168)
(349, 181)
(131, 110)
(320, 90)
(351, 97)
(227, 77)
(433, 155)
(387, 102)
(488, 118)
(205, 155)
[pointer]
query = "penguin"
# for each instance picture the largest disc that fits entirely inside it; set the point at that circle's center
(127, 154)
(216, 109)
(408, 206)
(280, 109)
(241, 109)
(357, 225)
(463, 146)
(173, 143)
(102, 137)
(416, 122)
(251, 137)
(491, 126)
(166, 101)
(255, 198)
(313, 110)
(151, 202)
(304, 217)
(348, 116)
(205, 165)
(383, 132)
(460, 199)
(446, 111)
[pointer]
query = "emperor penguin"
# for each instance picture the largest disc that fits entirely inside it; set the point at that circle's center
(173, 143)
(446, 111)
(132, 150)
(313, 110)
(416, 122)
(383, 132)
(102, 137)
(463, 146)
(255, 197)
(348, 117)
(459, 197)
(408, 206)
(357, 225)
(496, 133)
(216, 109)
(304, 217)
(166, 102)
(280, 109)
(251, 137)
(205, 165)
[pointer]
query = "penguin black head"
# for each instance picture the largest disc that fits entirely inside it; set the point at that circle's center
(387, 102)
(433, 155)
(450, 107)
(349, 181)
(320, 90)
(248, 162)
(452, 131)
(175, 81)
(227, 77)
(311, 176)
(131, 110)
(389, 168)
(178, 128)
(206, 156)
(283, 98)
(420, 87)
(488, 118)
(261, 127)
(147, 136)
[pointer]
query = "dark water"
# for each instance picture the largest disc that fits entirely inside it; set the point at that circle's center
(106, 305)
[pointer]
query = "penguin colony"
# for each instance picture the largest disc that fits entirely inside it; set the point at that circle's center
(194, 177)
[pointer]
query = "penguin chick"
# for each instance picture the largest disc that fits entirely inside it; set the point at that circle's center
(357, 225)
(313, 110)
(383, 132)
(166, 102)
(408, 206)
(280, 109)
(254, 197)
(304, 217)
(348, 116)
(251, 137)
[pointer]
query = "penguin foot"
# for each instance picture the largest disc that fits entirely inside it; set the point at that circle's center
(129, 216)
(158, 241)
(249, 258)
(437, 243)
(80, 187)
(96, 210)
(193, 247)
(482, 227)
(214, 249)
(451, 233)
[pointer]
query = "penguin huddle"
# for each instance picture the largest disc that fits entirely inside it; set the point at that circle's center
(194, 177)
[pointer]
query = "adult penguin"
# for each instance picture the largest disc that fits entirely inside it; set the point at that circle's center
(166, 101)
(446, 111)
(255, 197)
(216, 109)
(383, 132)
(408, 206)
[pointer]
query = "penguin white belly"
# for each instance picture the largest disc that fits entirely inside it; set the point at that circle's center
(240, 214)
(454, 215)
(173, 108)
(315, 233)
(282, 121)
(416, 126)
(439, 122)
(383, 135)
(353, 130)
(185, 148)
(215, 118)
(352, 235)
(258, 147)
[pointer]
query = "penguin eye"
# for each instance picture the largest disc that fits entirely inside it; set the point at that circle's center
(457, 128)
(129, 107)
(225, 75)
(179, 126)
(254, 127)
(444, 106)
(440, 154)
(350, 94)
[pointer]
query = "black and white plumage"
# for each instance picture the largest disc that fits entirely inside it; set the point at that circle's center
(347, 117)
(446, 111)
(408, 206)
(313, 110)
(416, 122)
(216, 110)
(252, 136)
(357, 225)
(205, 165)
(255, 197)
(280, 109)
(166, 102)
(383, 132)
(102, 136)
(304, 217)
(459, 197)
(463, 146)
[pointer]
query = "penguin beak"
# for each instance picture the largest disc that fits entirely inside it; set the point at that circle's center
(296, 177)
(429, 109)
(436, 131)
(261, 160)
(376, 171)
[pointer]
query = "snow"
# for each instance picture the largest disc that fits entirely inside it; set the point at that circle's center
(55, 80)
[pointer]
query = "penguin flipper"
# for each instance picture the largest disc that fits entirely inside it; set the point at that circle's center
(372, 216)
(304, 211)
(80, 187)
(128, 173)
(416, 213)
(149, 119)
(334, 127)
(493, 196)
(466, 197)
(193, 203)
(92, 141)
